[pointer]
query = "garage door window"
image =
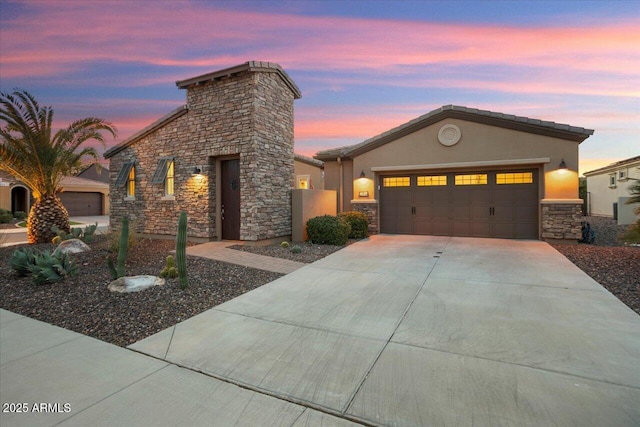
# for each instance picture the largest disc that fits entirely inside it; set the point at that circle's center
(432, 180)
(514, 178)
(396, 181)
(474, 179)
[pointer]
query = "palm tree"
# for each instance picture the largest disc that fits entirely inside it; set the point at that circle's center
(31, 153)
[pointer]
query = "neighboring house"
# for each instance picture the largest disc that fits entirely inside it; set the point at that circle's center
(458, 171)
(14, 195)
(226, 158)
(96, 172)
(80, 196)
(309, 173)
(608, 189)
(84, 197)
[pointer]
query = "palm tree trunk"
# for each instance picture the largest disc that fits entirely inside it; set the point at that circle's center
(45, 213)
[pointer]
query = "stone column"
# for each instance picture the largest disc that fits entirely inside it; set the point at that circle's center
(370, 209)
(561, 219)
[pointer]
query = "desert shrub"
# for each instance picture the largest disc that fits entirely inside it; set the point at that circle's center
(632, 234)
(20, 215)
(5, 216)
(295, 249)
(358, 222)
(329, 230)
(284, 244)
(114, 238)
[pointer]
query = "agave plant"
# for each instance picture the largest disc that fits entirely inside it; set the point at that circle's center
(33, 154)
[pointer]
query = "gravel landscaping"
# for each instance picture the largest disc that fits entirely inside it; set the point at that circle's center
(308, 251)
(83, 304)
(609, 262)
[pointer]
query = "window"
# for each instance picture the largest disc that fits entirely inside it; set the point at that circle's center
(475, 179)
(396, 181)
(127, 176)
(622, 175)
(612, 180)
(131, 182)
(168, 182)
(514, 178)
(165, 174)
(432, 181)
(303, 182)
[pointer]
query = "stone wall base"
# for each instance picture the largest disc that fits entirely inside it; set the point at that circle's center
(370, 209)
(561, 220)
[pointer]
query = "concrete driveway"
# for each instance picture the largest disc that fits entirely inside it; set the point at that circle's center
(393, 331)
(405, 330)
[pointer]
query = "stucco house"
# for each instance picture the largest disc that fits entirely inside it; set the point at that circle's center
(459, 171)
(608, 189)
(226, 158)
(80, 196)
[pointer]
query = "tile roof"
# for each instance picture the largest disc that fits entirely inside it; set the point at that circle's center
(510, 121)
(614, 165)
(309, 160)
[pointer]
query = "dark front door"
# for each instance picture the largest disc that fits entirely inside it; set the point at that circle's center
(230, 209)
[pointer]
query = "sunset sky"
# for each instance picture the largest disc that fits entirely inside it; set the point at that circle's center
(363, 66)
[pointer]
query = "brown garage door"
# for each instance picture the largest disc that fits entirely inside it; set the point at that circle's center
(502, 204)
(82, 204)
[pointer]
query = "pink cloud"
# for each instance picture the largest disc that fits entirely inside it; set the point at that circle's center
(63, 36)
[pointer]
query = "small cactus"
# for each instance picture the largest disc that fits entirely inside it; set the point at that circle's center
(170, 270)
(181, 250)
(284, 244)
(295, 249)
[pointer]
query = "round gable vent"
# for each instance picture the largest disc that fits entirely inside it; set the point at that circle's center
(449, 135)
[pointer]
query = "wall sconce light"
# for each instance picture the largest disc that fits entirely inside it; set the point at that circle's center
(196, 171)
(562, 166)
(362, 175)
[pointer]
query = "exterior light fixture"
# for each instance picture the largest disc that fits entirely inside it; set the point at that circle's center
(362, 175)
(562, 166)
(196, 171)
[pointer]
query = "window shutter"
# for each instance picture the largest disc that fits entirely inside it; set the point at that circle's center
(124, 173)
(161, 170)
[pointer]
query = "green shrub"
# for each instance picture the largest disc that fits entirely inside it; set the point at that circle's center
(295, 249)
(20, 215)
(358, 222)
(5, 216)
(329, 230)
(284, 244)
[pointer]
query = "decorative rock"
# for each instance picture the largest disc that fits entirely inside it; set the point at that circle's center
(72, 246)
(134, 283)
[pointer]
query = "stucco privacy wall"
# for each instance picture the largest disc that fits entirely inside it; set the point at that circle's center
(244, 113)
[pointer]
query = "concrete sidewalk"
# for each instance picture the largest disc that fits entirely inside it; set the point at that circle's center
(394, 330)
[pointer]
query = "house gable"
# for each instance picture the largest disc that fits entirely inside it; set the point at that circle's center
(506, 121)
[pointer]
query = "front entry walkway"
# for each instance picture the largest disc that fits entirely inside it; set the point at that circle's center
(394, 330)
(219, 251)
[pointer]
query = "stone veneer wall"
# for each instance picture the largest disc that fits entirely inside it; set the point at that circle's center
(561, 221)
(248, 116)
(370, 209)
